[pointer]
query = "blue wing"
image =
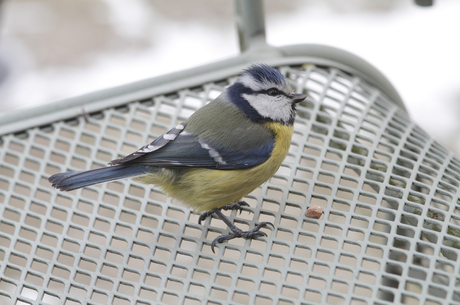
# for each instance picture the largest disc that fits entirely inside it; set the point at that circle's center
(182, 149)
(158, 143)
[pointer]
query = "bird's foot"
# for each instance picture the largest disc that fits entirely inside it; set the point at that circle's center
(231, 206)
(236, 232)
(239, 233)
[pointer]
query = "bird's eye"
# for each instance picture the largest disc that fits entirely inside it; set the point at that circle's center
(273, 92)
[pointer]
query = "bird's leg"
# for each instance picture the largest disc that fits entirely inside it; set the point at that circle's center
(231, 206)
(237, 232)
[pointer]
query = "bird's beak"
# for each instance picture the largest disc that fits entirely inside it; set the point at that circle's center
(298, 97)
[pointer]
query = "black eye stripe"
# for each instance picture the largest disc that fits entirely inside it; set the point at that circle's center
(266, 92)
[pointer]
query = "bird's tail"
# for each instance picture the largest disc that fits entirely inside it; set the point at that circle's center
(73, 180)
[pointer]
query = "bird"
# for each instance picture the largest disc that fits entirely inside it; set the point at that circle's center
(221, 153)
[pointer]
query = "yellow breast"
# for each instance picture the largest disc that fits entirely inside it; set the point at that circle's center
(206, 189)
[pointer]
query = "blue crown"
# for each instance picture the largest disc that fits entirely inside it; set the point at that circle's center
(263, 73)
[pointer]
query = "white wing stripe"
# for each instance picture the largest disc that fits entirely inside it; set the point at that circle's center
(169, 136)
(213, 153)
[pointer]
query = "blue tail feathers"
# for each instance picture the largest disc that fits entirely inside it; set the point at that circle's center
(74, 180)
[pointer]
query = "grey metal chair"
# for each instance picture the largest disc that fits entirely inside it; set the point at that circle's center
(390, 233)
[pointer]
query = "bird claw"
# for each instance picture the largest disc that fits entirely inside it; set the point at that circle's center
(239, 233)
(236, 206)
(231, 206)
(235, 231)
(204, 215)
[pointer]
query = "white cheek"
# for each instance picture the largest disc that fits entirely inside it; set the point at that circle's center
(270, 107)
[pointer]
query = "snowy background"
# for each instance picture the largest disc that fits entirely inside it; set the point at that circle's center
(55, 49)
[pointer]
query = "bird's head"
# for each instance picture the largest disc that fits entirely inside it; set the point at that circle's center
(264, 94)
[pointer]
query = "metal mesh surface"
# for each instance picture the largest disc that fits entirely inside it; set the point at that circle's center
(390, 232)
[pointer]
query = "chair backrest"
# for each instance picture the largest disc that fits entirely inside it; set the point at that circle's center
(390, 232)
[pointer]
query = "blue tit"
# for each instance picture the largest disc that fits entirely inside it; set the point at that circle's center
(221, 153)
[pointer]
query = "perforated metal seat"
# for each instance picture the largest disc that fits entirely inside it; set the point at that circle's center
(390, 233)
